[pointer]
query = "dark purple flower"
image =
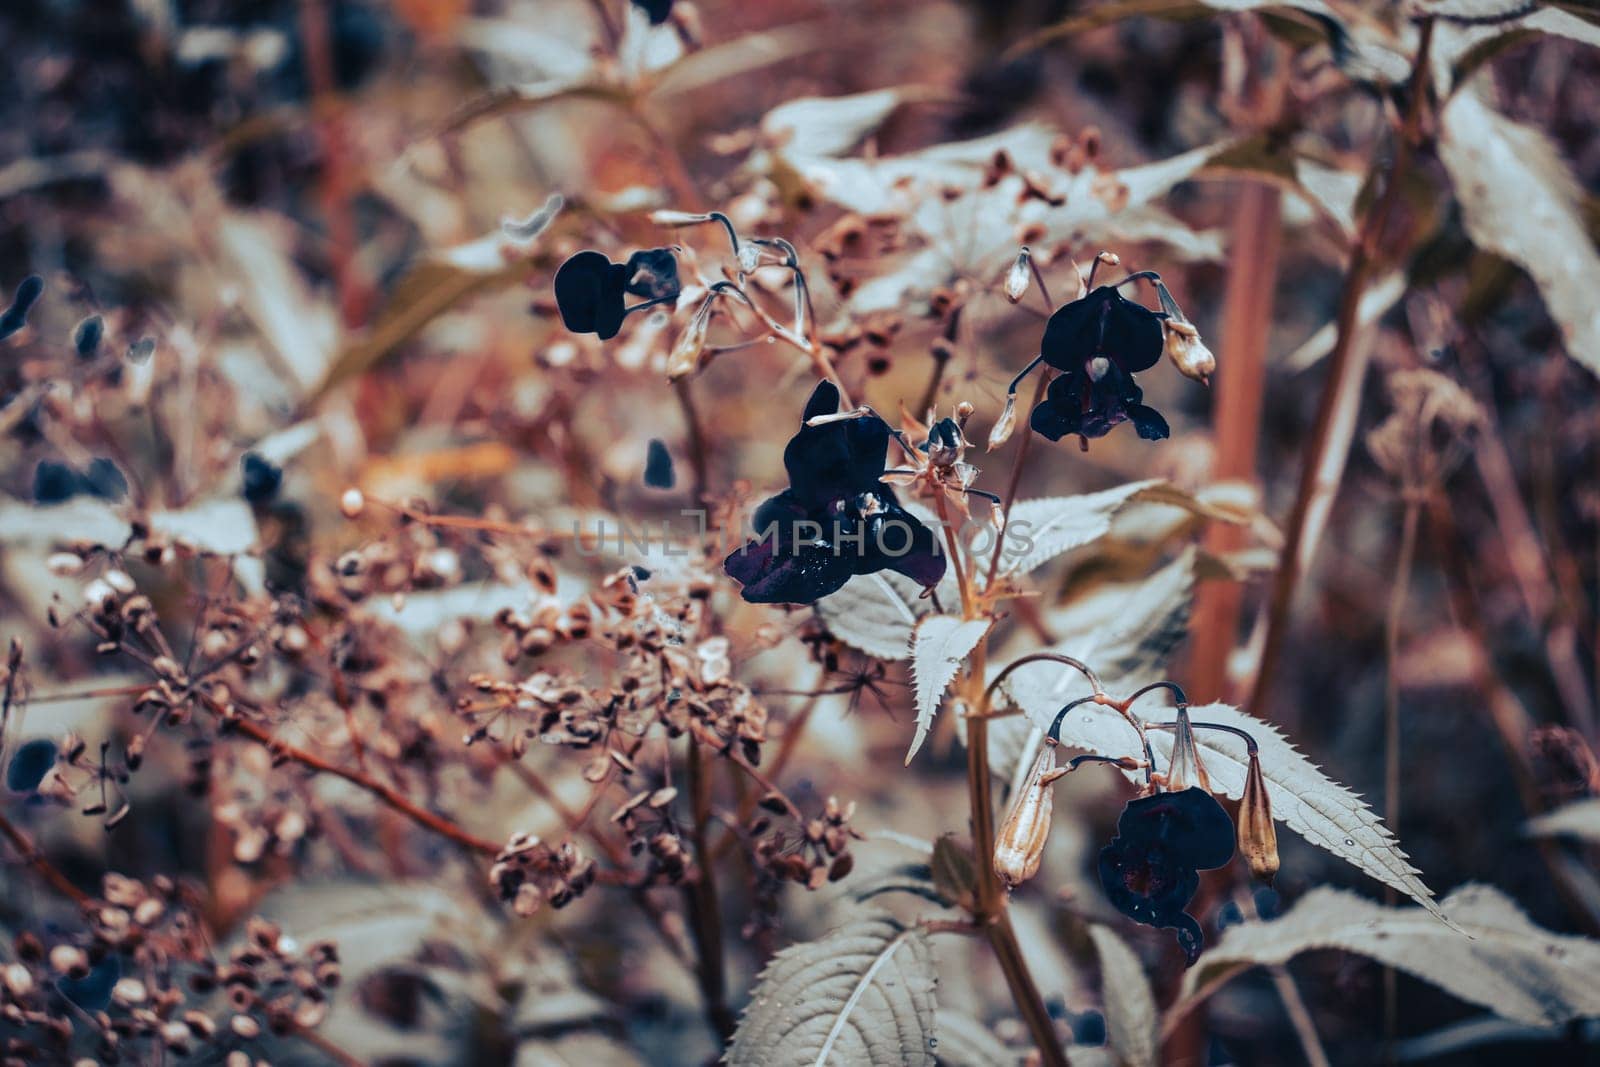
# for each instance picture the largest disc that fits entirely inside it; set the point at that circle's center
(1150, 870)
(29, 764)
(1098, 343)
(590, 288)
(837, 519)
(15, 317)
(56, 483)
(656, 10)
(261, 478)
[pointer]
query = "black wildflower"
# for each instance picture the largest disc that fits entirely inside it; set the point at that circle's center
(656, 10)
(837, 518)
(1150, 870)
(92, 992)
(1098, 343)
(261, 478)
(590, 289)
(56, 483)
(15, 317)
(86, 338)
(658, 472)
(29, 764)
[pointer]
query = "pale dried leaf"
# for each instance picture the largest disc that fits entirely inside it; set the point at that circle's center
(1507, 964)
(1520, 201)
(862, 994)
(1041, 530)
(939, 648)
(1131, 1015)
(1580, 819)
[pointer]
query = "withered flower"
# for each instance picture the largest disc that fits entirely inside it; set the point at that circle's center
(1150, 870)
(1258, 836)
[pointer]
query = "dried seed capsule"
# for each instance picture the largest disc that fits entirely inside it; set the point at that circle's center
(1019, 846)
(1188, 353)
(1018, 276)
(1258, 836)
(1007, 422)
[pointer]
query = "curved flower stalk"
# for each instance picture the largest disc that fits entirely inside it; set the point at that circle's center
(1175, 828)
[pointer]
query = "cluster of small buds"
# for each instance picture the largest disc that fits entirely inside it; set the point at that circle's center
(396, 566)
(527, 874)
(268, 979)
(819, 856)
(547, 624)
(122, 975)
(113, 606)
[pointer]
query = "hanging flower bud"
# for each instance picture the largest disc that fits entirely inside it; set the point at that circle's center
(1188, 353)
(1018, 276)
(1001, 433)
(1184, 347)
(1020, 844)
(1258, 836)
(669, 217)
(685, 356)
(1186, 770)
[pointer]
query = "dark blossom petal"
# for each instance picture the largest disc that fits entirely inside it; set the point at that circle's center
(103, 479)
(914, 553)
(1150, 869)
(1079, 403)
(15, 317)
(791, 573)
(836, 459)
(656, 10)
(29, 764)
(653, 274)
(261, 477)
(1103, 323)
(589, 293)
(54, 483)
(658, 472)
(92, 992)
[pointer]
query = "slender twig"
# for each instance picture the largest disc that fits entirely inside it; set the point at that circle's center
(701, 895)
(33, 857)
(696, 436)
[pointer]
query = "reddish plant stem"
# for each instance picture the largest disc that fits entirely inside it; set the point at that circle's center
(1346, 371)
(701, 897)
(33, 857)
(1241, 378)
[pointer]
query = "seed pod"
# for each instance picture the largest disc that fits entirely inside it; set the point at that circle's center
(1258, 836)
(1020, 844)
(685, 357)
(1186, 770)
(1018, 276)
(1003, 427)
(1188, 353)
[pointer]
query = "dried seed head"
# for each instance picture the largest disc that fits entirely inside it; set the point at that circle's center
(1019, 846)
(1018, 277)
(352, 503)
(1186, 770)
(1258, 837)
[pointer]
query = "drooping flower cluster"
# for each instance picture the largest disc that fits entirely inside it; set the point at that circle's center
(837, 519)
(1150, 870)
